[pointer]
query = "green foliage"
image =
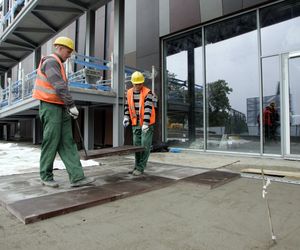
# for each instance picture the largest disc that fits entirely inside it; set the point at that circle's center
(218, 102)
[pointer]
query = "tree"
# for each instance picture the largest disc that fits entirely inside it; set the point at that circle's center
(218, 103)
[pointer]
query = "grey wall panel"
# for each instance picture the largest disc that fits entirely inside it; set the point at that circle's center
(164, 17)
(130, 26)
(184, 14)
(130, 59)
(28, 64)
(147, 30)
(210, 9)
(100, 32)
(249, 3)
(230, 6)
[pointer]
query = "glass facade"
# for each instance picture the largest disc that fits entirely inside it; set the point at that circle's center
(224, 93)
(271, 105)
(184, 91)
(231, 52)
(294, 88)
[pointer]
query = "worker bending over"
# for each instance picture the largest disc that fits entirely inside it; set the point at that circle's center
(56, 109)
(139, 110)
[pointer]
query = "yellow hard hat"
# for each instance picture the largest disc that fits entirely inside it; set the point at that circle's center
(65, 41)
(137, 78)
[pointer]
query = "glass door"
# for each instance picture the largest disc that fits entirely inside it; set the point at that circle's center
(291, 89)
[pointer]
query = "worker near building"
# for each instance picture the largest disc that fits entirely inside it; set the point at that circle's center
(56, 109)
(139, 111)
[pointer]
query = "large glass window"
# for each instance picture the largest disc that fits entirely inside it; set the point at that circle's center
(294, 96)
(280, 27)
(271, 105)
(183, 88)
(234, 121)
(231, 82)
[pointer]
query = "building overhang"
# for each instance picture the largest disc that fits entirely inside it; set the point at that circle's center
(36, 23)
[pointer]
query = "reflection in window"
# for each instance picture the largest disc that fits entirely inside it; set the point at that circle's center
(280, 27)
(271, 105)
(184, 91)
(232, 78)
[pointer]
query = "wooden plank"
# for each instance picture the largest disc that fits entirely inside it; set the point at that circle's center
(122, 150)
(272, 172)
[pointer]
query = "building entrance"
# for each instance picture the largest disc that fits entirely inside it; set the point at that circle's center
(291, 107)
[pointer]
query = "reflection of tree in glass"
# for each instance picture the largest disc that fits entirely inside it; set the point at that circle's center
(218, 103)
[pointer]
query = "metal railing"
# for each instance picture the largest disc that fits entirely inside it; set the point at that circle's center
(14, 8)
(89, 76)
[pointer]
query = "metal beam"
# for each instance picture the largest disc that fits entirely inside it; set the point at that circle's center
(45, 21)
(19, 44)
(58, 9)
(6, 60)
(79, 4)
(9, 56)
(14, 49)
(2, 68)
(33, 45)
(33, 30)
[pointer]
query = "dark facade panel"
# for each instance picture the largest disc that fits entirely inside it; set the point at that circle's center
(249, 3)
(230, 6)
(210, 9)
(147, 28)
(184, 15)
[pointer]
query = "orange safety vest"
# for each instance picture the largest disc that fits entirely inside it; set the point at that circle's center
(43, 89)
(143, 94)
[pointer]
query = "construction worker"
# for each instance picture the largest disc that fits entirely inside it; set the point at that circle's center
(56, 109)
(139, 110)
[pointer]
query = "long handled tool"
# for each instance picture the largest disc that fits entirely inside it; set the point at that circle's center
(266, 183)
(78, 128)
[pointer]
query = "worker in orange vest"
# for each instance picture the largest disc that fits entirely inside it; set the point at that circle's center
(139, 111)
(56, 109)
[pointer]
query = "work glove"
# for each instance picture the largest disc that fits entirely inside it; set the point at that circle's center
(125, 122)
(73, 112)
(145, 128)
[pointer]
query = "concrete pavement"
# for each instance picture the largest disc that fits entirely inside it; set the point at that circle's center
(180, 216)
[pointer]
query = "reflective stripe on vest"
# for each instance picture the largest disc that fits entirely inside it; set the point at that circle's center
(43, 89)
(133, 116)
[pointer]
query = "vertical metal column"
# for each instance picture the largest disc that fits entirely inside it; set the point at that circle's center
(191, 93)
(285, 105)
(261, 97)
(88, 132)
(37, 57)
(90, 33)
(118, 72)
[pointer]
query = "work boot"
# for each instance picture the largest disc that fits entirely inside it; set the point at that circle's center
(137, 172)
(51, 183)
(84, 182)
(131, 171)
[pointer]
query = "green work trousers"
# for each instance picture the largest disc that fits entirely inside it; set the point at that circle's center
(142, 139)
(58, 138)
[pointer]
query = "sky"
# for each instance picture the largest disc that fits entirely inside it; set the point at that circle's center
(18, 158)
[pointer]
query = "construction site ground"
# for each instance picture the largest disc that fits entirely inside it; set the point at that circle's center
(180, 215)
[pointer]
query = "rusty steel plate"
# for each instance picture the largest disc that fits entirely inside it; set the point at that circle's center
(213, 178)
